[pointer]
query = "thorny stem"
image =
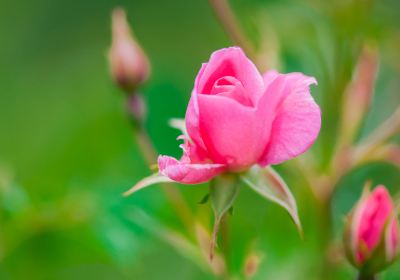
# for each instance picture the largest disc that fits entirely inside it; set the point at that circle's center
(229, 22)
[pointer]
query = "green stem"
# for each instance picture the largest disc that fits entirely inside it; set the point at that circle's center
(366, 277)
(173, 195)
(231, 26)
(326, 229)
(225, 240)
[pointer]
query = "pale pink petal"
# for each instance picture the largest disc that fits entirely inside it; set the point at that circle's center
(392, 236)
(295, 117)
(188, 173)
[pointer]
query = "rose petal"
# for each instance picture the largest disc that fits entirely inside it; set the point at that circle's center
(232, 88)
(188, 173)
(296, 118)
(230, 62)
(230, 131)
(192, 114)
(376, 212)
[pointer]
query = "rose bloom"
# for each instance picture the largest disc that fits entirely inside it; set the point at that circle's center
(374, 221)
(237, 117)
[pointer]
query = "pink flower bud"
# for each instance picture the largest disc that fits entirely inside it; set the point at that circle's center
(374, 230)
(128, 62)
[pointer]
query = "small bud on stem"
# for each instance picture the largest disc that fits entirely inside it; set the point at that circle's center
(372, 233)
(128, 63)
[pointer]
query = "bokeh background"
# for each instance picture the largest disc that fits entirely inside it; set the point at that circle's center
(67, 150)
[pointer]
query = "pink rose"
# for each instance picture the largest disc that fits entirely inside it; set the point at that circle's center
(374, 224)
(237, 118)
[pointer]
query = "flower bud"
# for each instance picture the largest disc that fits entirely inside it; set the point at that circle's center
(372, 234)
(128, 62)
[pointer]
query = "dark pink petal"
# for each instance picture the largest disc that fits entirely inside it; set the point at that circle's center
(188, 173)
(372, 215)
(295, 117)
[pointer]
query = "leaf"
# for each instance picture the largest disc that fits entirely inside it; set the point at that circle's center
(204, 200)
(223, 192)
(146, 182)
(268, 183)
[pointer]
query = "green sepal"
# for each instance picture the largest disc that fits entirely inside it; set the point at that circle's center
(223, 192)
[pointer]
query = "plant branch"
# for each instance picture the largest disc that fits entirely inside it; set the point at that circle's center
(363, 277)
(172, 194)
(231, 26)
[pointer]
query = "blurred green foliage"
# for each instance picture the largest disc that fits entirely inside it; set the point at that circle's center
(67, 151)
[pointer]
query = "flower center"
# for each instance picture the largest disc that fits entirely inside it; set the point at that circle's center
(231, 87)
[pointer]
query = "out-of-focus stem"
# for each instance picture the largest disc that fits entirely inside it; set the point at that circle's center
(172, 194)
(361, 277)
(358, 96)
(225, 242)
(229, 22)
(137, 110)
(379, 136)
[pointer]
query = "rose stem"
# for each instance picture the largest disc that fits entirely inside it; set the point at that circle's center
(231, 26)
(362, 277)
(225, 241)
(145, 145)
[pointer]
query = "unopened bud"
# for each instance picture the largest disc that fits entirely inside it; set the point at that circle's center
(372, 235)
(128, 62)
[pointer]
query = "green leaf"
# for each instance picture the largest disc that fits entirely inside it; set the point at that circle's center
(231, 211)
(146, 182)
(223, 192)
(204, 200)
(268, 183)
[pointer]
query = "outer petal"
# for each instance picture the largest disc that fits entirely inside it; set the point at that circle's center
(230, 62)
(230, 131)
(188, 173)
(296, 118)
(192, 114)
(392, 239)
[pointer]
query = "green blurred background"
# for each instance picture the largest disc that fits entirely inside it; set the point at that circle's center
(67, 150)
